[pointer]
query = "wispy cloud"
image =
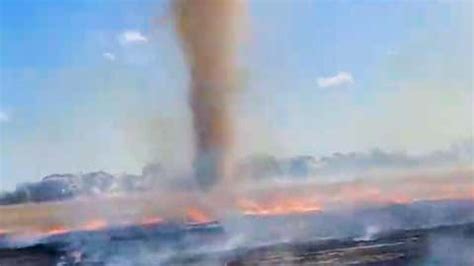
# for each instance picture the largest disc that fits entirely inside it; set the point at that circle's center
(341, 78)
(132, 36)
(4, 117)
(109, 56)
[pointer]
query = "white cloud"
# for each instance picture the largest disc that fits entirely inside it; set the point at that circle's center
(109, 56)
(342, 78)
(132, 36)
(4, 117)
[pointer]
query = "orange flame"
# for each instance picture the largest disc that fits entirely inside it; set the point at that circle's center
(94, 225)
(59, 230)
(197, 216)
(279, 207)
(151, 221)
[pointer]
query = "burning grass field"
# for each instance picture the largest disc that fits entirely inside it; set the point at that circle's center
(376, 208)
(336, 239)
(36, 220)
(401, 219)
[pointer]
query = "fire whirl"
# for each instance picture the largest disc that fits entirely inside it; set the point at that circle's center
(209, 32)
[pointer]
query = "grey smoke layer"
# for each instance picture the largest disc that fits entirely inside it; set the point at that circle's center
(261, 167)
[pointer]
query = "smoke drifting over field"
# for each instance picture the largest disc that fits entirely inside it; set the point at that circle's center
(255, 171)
(209, 33)
(101, 208)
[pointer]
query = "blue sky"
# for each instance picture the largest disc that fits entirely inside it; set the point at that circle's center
(101, 85)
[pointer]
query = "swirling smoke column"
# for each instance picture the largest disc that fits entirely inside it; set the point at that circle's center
(209, 32)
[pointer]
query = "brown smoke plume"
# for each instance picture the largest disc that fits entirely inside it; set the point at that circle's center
(209, 33)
